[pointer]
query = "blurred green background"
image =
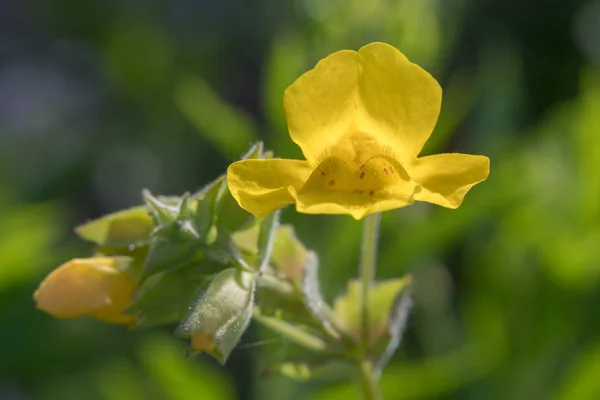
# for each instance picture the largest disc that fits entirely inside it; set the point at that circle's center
(100, 99)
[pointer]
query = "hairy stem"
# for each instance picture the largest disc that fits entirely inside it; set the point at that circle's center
(368, 260)
(369, 383)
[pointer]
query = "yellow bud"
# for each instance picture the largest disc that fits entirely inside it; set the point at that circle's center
(92, 287)
(202, 341)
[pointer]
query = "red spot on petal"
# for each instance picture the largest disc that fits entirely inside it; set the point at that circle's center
(322, 173)
(371, 193)
(362, 174)
(331, 182)
(385, 171)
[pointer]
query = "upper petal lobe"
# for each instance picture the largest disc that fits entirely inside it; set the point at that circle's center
(376, 91)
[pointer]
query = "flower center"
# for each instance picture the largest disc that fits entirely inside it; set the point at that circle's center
(360, 147)
(344, 181)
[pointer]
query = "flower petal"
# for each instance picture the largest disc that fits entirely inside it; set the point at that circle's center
(373, 92)
(446, 178)
(320, 105)
(336, 187)
(402, 101)
(261, 186)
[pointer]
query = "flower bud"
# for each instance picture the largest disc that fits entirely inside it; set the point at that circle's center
(93, 287)
(222, 315)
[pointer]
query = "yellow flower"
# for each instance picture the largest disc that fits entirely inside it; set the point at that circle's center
(92, 287)
(361, 119)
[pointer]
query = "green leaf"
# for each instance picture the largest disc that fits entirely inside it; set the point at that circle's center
(122, 228)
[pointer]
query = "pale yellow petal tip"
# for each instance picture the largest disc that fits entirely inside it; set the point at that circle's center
(447, 178)
(87, 287)
(202, 341)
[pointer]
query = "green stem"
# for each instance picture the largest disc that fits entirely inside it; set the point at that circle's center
(369, 382)
(368, 260)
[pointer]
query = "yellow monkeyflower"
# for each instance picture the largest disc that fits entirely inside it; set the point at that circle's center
(92, 287)
(361, 120)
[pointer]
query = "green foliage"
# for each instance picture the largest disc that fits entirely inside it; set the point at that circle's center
(176, 377)
(23, 228)
(505, 289)
(229, 130)
(203, 263)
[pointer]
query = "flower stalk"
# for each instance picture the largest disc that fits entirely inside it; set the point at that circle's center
(368, 260)
(369, 381)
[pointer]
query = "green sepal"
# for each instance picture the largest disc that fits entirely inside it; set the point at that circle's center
(128, 265)
(281, 299)
(137, 255)
(382, 300)
(289, 254)
(313, 299)
(230, 215)
(204, 189)
(224, 251)
(296, 363)
(221, 315)
(121, 228)
(301, 335)
(182, 230)
(206, 206)
(266, 239)
(165, 297)
(330, 370)
(395, 327)
(167, 254)
(256, 151)
(162, 212)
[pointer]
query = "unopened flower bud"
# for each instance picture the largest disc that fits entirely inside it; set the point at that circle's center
(93, 287)
(222, 315)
